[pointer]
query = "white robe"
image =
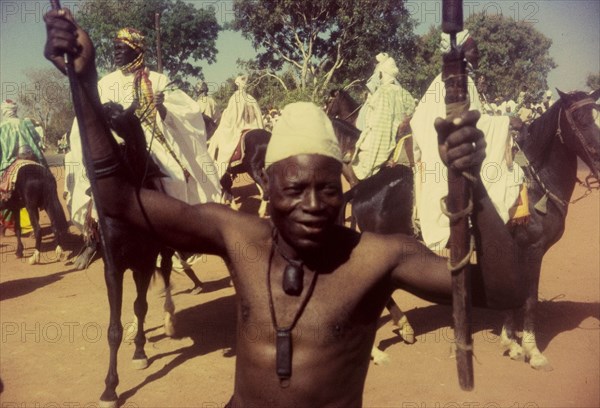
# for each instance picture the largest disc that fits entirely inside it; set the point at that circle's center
(431, 178)
(184, 131)
(242, 113)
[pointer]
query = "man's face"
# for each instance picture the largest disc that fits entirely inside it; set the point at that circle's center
(306, 197)
(124, 54)
(472, 53)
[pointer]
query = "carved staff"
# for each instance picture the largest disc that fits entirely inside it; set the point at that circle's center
(458, 201)
(109, 263)
(159, 66)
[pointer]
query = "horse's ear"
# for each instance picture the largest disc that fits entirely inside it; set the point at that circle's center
(595, 94)
(333, 93)
(561, 94)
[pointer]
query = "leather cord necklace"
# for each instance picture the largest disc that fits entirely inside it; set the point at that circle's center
(293, 274)
(284, 334)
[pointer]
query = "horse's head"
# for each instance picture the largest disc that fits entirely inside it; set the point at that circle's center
(579, 126)
(332, 108)
(135, 151)
(341, 105)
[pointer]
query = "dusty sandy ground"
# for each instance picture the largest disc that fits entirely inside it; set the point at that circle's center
(53, 349)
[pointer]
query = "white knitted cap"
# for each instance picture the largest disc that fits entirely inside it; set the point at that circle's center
(302, 128)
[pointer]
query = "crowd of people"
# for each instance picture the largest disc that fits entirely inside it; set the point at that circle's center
(341, 294)
(303, 175)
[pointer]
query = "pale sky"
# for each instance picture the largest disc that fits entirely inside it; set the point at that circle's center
(573, 26)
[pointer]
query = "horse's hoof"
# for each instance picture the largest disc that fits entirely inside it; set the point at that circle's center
(515, 353)
(140, 363)
(408, 334)
(107, 404)
(406, 331)
(35, 258)
(18, 255)
(196, 290)
(379, 357)
(84, 259)
(540, 362)
(60, 254)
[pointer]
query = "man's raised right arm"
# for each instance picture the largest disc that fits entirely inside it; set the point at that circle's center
(185, 227)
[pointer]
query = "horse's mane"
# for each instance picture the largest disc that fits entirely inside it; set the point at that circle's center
(544, 129)
(346, 96)
(340, 125)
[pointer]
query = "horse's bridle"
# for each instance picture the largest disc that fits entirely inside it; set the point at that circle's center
(348, 115)
(591, 181)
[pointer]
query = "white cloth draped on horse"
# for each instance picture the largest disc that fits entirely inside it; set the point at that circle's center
(182, 151)
(431, 182)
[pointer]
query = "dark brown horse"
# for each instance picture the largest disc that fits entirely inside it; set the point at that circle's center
(254, 144)
(134, 250)
(550, 146)
(35, 189)
(555, 140)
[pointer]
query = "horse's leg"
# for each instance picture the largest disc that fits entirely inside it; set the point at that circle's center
(401, 321)
(114, 287)
(227, 184)
(508, 336)
(59, 224)
(536, 359)
(166, 265)
(34, 217)
(379, 357)
(140, 308)
(17, 217)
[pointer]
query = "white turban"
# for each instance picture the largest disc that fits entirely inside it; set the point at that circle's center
(302, 128)
(388, 66)
(241, 81)
(461, 38)
(382, 56)
(9, 109)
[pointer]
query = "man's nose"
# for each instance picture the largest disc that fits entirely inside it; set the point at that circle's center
(311, 201)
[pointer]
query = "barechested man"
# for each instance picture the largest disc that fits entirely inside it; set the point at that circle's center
(309, 292)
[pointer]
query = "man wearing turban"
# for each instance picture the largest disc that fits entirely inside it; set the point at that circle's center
(431, 183)
(19, 139)
(386, 108)
(207, 103)
(171, 121)
(242, 113)
(17, 135)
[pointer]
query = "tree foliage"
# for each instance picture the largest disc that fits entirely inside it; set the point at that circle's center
(512, 54)
(593, 81)
(50, 104)
(322, 40)
(188, 33)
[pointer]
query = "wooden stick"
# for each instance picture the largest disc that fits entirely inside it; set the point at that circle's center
(159, 65)
(458, 199)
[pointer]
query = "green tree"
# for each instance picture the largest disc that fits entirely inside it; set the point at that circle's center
(512, 53)
(188, 33)
(50, 104)
(322, 41)
(593, 81)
